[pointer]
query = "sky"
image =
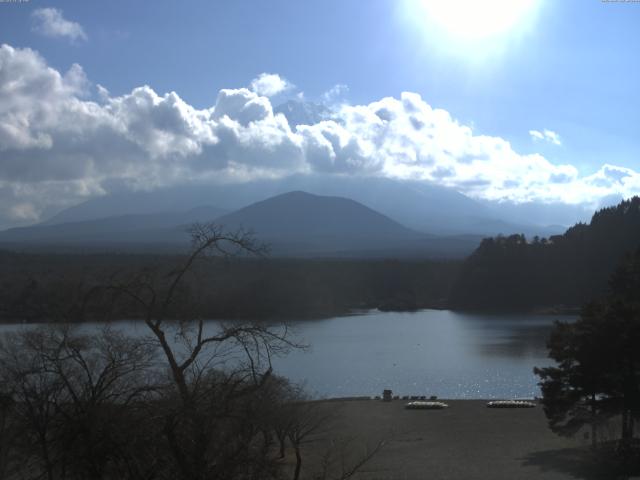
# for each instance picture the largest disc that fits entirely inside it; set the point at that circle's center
(503, 100)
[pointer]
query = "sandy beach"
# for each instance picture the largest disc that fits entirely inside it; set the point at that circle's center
(465, 441)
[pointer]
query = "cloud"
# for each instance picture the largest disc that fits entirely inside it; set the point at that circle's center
(545, 135)
(270, 84)
(51, 23)
(59, 147)
(335, 94)
(536, 135)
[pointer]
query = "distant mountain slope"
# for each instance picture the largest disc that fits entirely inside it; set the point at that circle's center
(298, 222)
(294, 224)
(302, 224)
(176, 200)
(417, 205)
(149, 228)
(568, 269)
(301, 214)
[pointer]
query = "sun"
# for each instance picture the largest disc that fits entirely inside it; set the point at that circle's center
(478, 19)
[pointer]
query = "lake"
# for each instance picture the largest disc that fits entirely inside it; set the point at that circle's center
(429, 352)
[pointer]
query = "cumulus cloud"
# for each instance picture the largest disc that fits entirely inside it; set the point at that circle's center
(59, 147)
(270, 84)
(545, 135)
(51, 23)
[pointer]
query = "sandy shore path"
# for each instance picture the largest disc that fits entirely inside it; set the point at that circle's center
(465, 441)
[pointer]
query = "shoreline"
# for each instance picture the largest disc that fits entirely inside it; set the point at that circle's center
(547, 311)
(412, 398)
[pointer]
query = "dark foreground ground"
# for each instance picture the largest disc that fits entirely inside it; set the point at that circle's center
(465, 441)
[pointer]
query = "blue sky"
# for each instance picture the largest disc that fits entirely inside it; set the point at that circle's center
(570, 67)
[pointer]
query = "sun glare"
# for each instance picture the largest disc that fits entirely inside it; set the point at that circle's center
(478, 19)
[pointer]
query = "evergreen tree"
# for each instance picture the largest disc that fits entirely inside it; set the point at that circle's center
(597, 375)
(510, 273)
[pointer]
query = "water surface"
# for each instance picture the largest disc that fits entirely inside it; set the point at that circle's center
(430, 352)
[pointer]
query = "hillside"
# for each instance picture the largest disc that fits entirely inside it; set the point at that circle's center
(416, 205)
(114, 230)
(302, 224)
(569, 269)
(294, 224)
(301, 214)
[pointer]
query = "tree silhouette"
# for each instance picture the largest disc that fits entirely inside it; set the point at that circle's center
(510, 273)
(597, 376)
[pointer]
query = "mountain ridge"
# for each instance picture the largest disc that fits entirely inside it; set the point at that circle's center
(424, 207)
(294, 224)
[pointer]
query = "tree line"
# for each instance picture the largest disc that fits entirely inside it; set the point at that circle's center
(51, 287)
(516, 273)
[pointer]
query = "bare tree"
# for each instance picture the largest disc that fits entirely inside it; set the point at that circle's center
(212, 371)
(307, 421)
(70, 395)
(35, 394)
(190, 400)
(7, 430)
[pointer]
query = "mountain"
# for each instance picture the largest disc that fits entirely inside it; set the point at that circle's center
(295, 224)
(542, 214)
(417, 205)
(568, 269)
(302, 222)
(163, 202)
(114, 230)
(420, 205)
(300, 214)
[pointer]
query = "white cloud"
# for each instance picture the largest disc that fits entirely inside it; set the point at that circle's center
(58, 147)
(335, 94)
(51, 23)
(270, 84)
(545, 135)
(536, 134)
(553, 137)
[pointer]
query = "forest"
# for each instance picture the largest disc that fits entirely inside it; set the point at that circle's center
(514, 273)
(48, 287)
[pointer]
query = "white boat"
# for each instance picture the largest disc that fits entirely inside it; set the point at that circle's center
(421, 405)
